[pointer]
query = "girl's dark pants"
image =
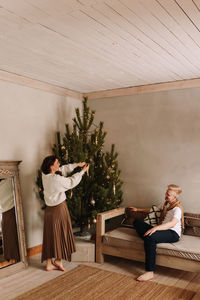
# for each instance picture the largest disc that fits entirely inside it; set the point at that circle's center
(150, 242)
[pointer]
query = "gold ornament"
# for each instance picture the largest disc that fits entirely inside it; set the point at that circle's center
(71, 194)
(108, 177)
(96, 140)
(92, 202)
(94, 220)
(63, 147)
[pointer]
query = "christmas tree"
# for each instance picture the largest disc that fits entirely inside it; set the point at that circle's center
(99, 190)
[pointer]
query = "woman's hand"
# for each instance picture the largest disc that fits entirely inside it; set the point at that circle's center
(151, 231)
(81, 164)
(86, 168)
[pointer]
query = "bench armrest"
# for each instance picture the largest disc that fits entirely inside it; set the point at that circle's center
(100, 229)
(102, 217)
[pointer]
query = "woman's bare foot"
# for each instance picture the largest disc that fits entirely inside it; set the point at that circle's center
(50, 266)
(58, 264)
(146, 276)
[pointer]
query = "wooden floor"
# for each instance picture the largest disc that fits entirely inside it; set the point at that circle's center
(35, 275)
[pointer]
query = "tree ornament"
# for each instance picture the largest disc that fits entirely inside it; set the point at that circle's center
(63, 147)
(71, 194)
(108, 177)
(94, 220)
(96, 140)
(92, 202)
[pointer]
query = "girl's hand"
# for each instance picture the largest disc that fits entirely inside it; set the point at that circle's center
(81, 164)
(151, 231)
(132, 208)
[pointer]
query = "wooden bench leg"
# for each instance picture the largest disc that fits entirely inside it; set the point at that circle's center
(99, 254)
(99, 257)
(100, 231)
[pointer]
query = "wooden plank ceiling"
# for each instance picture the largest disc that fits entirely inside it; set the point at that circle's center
(94, 45)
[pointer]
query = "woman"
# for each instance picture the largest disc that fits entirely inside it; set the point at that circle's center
(58, 240)
(168, 231)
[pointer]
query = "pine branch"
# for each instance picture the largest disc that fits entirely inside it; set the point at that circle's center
(79, 122)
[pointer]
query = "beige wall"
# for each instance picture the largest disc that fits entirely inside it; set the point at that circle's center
(157, 136)
(29, 119)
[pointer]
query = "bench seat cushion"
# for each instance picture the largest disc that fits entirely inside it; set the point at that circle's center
(187, 247)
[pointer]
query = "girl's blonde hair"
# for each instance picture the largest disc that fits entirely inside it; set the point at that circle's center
(167, 206)
(175, 188)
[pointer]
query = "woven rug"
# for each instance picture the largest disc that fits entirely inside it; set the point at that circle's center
(89, 283)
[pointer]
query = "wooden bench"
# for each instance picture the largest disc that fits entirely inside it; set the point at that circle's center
(109, 243)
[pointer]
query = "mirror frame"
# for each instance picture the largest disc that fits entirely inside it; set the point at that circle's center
(9, 169)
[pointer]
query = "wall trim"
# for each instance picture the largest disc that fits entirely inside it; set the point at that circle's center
(143, 89)
(134, 90)
(39, 85)
(34, 250)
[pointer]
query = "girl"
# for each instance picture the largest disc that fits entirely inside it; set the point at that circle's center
(168, 231)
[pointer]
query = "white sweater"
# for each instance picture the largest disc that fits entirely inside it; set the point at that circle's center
(55, 185)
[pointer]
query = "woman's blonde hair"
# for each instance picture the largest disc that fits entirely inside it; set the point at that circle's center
(175, 188)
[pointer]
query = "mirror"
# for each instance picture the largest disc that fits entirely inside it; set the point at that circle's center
(8, 226)
(12, 239)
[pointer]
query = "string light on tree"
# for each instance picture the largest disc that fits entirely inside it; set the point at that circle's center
(66, 154)
(88, 224)
(114, 189)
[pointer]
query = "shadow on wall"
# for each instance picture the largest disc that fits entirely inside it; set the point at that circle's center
(66, 112)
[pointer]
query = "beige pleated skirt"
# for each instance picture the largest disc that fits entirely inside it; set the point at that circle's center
(58, 238)
(10, 236)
